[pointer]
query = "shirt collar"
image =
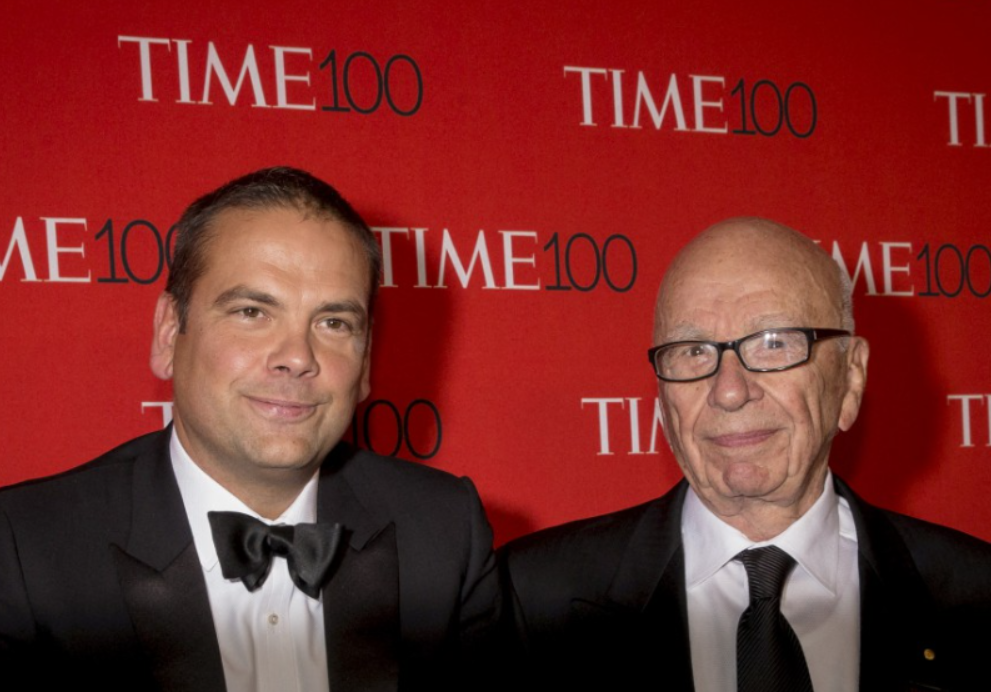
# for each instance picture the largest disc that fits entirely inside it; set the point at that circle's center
(202, 494)
(813, 540)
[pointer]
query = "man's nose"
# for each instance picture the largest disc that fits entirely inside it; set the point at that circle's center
(293, 353)
(733, 385)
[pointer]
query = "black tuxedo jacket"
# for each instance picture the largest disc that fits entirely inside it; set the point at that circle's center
(600, 603)
(100, 581)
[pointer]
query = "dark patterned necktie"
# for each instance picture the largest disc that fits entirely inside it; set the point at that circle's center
(246, 548)
(769, 656)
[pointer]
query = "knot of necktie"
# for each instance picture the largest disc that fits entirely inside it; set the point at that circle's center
(767, 569)
(246, 546)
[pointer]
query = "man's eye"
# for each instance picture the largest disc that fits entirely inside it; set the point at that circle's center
(696, 351)
(774, 344)
(249, 313)
(336, 324)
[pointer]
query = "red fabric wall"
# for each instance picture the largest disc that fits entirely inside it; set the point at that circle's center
(523, 131)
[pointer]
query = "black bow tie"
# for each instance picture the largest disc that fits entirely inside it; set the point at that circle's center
(246, 546)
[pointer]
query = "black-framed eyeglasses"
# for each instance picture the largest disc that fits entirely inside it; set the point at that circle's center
(769, 350)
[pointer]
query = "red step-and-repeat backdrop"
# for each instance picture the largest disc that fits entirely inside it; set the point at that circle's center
(530, 169)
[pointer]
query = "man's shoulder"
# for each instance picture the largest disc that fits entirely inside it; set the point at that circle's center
(589, 551)
(921, 533)
(952, 561)
(602, 530)
(391, 475)
(368, 463)
(955, 566)
(77, 484)
(591, 536)
(399, 488)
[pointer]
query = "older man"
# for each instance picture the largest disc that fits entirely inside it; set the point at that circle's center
(763, 571)
(244, 547)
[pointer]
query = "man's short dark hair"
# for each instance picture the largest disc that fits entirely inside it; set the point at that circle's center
(280, 187)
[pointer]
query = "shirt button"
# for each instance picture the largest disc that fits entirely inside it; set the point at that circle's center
(273, 619)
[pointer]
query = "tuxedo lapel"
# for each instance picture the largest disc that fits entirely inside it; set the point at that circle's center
(361, 598)
(167, 609)
(648, 594)
(162, 581)
(897, 621)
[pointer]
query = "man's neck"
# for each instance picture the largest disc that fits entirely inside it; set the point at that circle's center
(269, 497)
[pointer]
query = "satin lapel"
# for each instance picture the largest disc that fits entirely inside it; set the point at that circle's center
(896, 611)
(650, 583)
(162, 581)
(361, 599)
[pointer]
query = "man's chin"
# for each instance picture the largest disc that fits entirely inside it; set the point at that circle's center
(285, 456)
(743, 480)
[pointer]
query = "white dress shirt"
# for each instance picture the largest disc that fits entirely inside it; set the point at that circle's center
(821, 597)
(272, 639)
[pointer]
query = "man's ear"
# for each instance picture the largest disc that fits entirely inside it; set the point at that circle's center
(163, 340)
(856, 381)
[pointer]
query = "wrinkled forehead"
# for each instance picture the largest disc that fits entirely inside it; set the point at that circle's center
(740, 277)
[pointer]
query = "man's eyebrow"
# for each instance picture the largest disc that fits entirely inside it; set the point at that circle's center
(684, 331)
(342, 306)
(687, 331)
(242, 292)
